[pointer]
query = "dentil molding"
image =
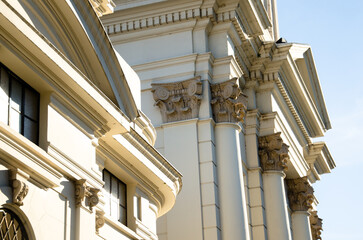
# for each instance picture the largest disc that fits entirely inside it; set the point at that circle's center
(178, 100)
(300, 194)
(273, 152)
(228, 102)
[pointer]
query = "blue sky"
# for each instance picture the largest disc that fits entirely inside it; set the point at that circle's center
(334, 29)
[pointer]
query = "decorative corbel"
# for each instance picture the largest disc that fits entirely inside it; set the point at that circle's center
(84, 192)
(100, 219)
(18, 181)
(228, 102)
(273, 152)
(178, 100)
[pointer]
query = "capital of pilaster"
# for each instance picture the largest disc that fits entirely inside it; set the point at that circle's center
(300, 194)
(178, 100)
(86, 195)
(229, 104)
(273, 152)
(316, 225)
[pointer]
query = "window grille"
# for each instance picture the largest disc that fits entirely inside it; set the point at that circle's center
(11, 227)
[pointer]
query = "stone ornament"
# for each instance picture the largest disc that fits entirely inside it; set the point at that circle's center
(229, 104)
(100, 219)
(20, 190)
(273, 152)
(179, 100)
(316, 225)
(85, 194)
(300, 194)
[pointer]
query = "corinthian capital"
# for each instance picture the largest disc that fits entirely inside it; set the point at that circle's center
(300, 193)
(229, 104)
(273, 152)
(179, 100)
(316, 225)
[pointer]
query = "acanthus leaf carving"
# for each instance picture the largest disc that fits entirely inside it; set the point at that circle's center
(316, 225)
(273, 153)
(228, 102)
(178, 100)
(20, 190)
(300, 194)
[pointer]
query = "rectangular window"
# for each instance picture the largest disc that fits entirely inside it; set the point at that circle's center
(19, 105)
(115, 196)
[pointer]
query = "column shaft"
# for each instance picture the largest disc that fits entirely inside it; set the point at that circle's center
(301, 225)
(233, 211)
(278, 224)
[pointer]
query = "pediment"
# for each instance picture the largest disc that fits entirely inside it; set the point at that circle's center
(304, 60)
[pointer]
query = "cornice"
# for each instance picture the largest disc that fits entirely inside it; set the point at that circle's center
(318, 156)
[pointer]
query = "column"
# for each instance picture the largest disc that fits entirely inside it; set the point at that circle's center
(273, 156)
(301, 196)
(228, 105)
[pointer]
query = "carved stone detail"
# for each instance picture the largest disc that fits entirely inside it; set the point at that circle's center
(229, 104)
(84, 192)
(273, 153)
(316, 225)
(20, 190)
(18, 181)
(300, 193)
(179, 100)
(100, 219)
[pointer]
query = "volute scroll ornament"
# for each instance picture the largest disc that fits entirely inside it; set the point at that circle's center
(100, 219)
(300, 194)
(86, 195)
(179, 100)
(20, 189)
(228, 102)
(316, 225)
(273, 152)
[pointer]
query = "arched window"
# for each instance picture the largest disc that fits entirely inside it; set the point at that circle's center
(11, 227)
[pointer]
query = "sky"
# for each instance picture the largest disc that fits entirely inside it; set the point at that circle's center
(334, 29)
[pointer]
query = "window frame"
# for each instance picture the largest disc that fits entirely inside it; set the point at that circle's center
(12, 78)
(120, 205)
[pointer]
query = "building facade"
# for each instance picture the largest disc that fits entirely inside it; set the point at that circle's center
(76, 151)
(236, 110)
